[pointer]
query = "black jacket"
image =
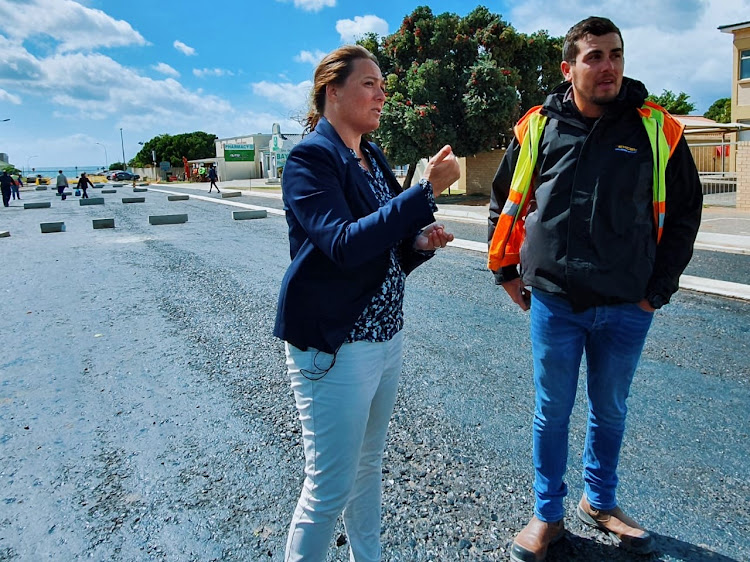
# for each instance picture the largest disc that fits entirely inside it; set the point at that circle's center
(590, 233)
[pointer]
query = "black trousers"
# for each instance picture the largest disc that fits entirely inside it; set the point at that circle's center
(6, 195)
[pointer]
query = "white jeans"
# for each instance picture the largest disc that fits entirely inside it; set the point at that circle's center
(344, 417)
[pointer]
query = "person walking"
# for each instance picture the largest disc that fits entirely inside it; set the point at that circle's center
(6, 181)
(62, 184)
(354, 236)
(16, 186)
(599, 201)
(83, 183)
(213, 177)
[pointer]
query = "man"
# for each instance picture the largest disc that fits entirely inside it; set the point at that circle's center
(603, 206)
(6, 181)
(62, 183)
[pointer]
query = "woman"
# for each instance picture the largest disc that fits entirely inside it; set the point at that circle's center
(354, 235)
(83, 184)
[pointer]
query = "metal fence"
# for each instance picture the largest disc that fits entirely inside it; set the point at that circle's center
(714, 163)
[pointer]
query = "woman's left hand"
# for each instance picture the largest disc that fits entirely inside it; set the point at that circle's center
(432, 238)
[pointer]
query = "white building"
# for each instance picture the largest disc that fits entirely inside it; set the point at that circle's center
(253, 156)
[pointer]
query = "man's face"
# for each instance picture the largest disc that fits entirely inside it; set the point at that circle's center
(597, 72)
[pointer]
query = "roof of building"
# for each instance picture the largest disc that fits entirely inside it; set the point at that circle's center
(732, 27)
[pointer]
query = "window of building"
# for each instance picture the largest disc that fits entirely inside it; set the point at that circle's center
(744, 64)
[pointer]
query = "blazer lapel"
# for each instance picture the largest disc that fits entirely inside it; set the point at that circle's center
(352, 168)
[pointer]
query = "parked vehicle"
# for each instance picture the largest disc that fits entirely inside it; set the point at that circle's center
(120, 175)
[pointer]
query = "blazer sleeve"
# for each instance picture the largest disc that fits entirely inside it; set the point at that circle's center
(314, 184)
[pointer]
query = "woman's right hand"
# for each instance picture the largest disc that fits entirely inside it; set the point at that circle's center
(442, 170)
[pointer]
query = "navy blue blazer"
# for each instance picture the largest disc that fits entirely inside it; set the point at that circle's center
(339, 239)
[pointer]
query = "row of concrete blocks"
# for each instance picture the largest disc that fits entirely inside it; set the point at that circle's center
(96, 186)
(59, 226)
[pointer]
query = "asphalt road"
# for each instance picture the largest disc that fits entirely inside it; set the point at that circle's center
(145, 412)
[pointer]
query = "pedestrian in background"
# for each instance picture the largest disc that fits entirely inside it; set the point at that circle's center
(6, 182)
(62, 183)
(83, 183)
(616, 209)
(354, 236)
(213, 177)
(15, 186)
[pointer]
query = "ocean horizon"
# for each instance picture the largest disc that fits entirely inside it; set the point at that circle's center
(69, 171)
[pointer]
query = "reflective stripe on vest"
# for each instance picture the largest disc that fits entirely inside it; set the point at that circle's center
(505, 246)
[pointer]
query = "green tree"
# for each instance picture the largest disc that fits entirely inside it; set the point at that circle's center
(458, 81)
(117, 166)
(676, 104)
(172, 148)
(720, 111)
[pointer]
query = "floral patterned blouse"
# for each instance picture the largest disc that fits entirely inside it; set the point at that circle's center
(384, 316)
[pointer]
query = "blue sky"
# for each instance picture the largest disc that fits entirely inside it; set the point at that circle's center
(72, 74)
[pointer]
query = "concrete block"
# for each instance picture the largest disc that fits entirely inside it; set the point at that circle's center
(133, 199)
(225, 194)
(109, 191)
(98, 185)
(37, 205)
(139, 189)
(178, 197)
(143, 183)
(118, 185)
(4, 233)
(167, 219)
(104, 223)
(67, 193)
(91, 201)
(246, 215)
(40, 188)
(52, 227)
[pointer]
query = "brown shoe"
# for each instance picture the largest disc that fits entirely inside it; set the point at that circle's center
(629, 534)
(531, 544)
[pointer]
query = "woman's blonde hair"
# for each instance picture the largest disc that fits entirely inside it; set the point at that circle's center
(335, 68)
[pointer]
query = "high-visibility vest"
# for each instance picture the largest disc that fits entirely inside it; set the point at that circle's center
(663, 131)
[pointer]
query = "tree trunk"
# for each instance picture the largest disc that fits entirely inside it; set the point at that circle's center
(409, 175)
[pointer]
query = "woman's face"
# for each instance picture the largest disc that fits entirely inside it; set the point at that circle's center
(358, 102)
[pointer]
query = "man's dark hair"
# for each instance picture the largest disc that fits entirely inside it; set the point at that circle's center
(593, 25)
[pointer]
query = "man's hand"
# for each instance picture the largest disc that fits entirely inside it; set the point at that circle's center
(645, 305)
(432, 238)
(518, 293)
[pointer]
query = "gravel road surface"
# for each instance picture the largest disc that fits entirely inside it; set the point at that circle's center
(145, 412)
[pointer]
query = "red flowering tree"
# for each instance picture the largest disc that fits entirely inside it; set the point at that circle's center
(455, 80)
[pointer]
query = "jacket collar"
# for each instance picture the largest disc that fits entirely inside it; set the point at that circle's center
(325, 129)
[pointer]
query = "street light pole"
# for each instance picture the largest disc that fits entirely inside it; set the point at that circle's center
(106, 165)
(122, 145)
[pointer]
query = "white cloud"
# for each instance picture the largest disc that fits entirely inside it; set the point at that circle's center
(73, 26)
(165, 69)
(677, 47)
(310, 57)
(203, 72)
(291, 96)
(10, 98)
(312, 5)
(184, 49)
(351, 30)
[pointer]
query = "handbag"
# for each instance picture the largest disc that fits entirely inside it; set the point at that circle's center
(78, 192)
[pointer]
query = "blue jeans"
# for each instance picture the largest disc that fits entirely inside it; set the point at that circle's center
(613, 338)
